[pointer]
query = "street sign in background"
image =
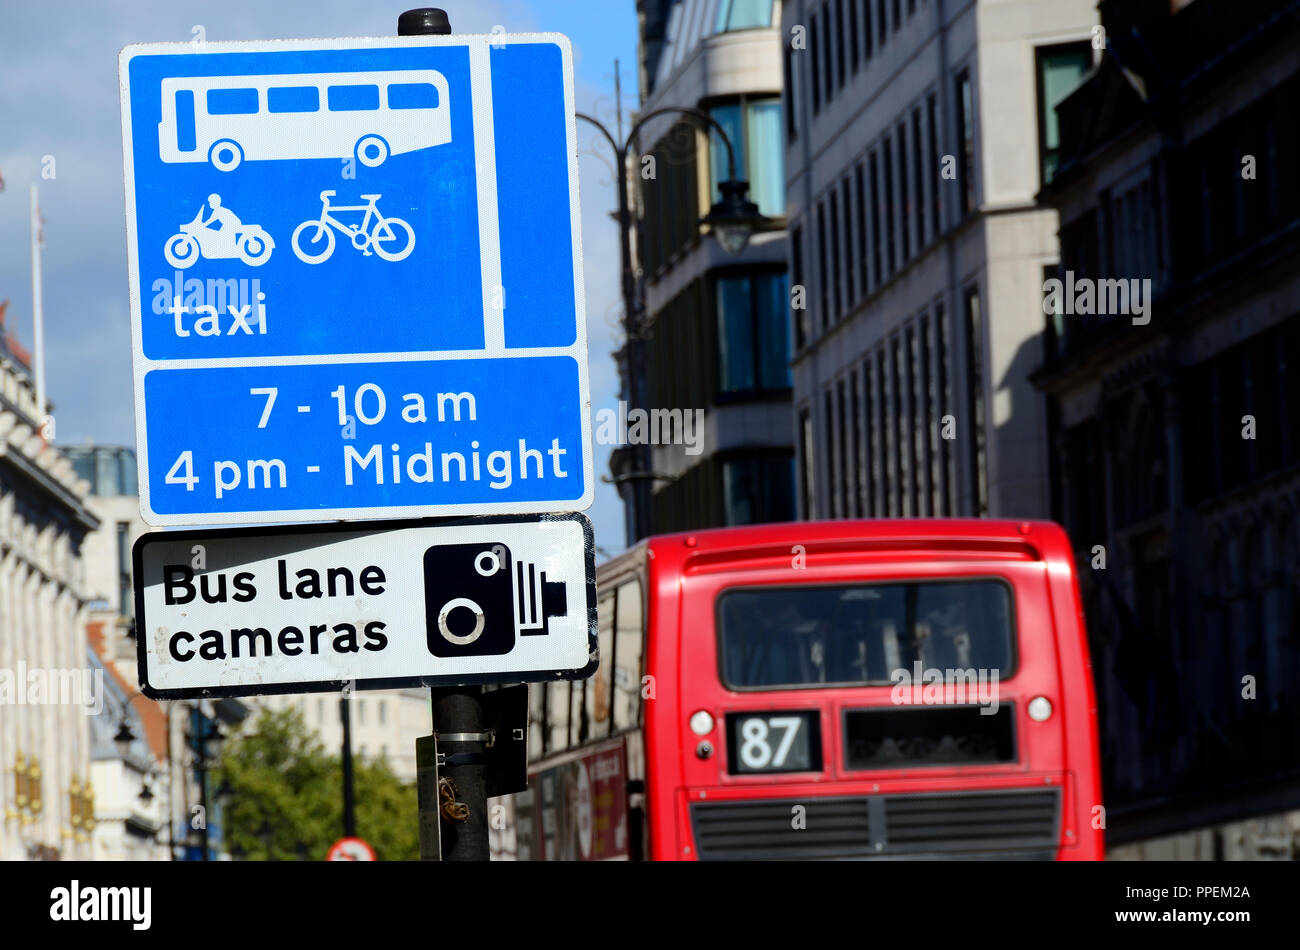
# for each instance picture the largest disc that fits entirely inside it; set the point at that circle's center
(356, 278)
(241, 612)
(350, 849)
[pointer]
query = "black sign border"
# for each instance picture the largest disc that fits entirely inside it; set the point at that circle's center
(344, 527)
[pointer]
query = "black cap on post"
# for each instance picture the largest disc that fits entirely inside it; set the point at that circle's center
(426, 21)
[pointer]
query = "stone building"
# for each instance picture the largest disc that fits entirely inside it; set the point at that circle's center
(48, 689)
(918, 133)
(717, 337)
(1179, 456)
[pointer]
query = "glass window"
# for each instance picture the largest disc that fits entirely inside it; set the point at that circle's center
(943, 386)
(731, 118)
(293, 99)
(1059, 70)
(771, 296)
(828, 415)
(753, 334)
(412, 95)
(888, 185)
(754, 130)
(918, 180)
(598, 687)
(806, 448)
(106, 474)
(735, 339)
(758, 489)
(835, 20)
(966, 131)
(126, 593)
(629, 635)
(836, 302)
(877, 246)
(935, 150)
(353, 98)
(383, 713)
(766, 155)
(129, 484)
(361, 712)
(823, 261)
(801, 329)
(792, 95)
(743, 14)
(813, 82)
(978, 475)
(852, 30)
(774, 637)
(848, 471)
(232, 101)
(83, 463)
(846, 202)
(871, 436)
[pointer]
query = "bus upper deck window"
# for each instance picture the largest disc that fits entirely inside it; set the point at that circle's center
(412, 95)
(774, 637)
(232, 101)
(353, 98)
(293, 99)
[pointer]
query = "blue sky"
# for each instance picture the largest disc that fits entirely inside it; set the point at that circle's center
(59, 98)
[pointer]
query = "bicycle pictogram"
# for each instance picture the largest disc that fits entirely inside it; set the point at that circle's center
(391, 238)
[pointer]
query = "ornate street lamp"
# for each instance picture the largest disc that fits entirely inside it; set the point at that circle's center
(123, 739)
(734, 217)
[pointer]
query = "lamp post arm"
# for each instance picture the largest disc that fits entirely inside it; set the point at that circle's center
(695, 113)
(603, 131)
(666, 110)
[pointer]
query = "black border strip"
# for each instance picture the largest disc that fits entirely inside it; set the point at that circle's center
(345, 527)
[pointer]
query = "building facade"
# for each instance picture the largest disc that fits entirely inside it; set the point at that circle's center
(918, 134)
(48, 687)
(1179, 474)
(110, 471)
(717, 336)
(130, 779)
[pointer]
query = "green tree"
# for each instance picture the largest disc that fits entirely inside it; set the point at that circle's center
(283, 782)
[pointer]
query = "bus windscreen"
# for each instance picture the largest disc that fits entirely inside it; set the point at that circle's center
(790, 637)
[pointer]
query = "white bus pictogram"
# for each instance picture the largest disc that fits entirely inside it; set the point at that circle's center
(227, 120)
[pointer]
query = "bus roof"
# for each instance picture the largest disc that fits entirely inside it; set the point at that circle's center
(1036, 539)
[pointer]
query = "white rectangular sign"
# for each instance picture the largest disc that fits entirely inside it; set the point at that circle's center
(312, 608)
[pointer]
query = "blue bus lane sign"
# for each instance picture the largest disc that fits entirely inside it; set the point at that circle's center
(356, 279)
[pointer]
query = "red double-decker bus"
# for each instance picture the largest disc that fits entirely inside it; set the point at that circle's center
(845, 689)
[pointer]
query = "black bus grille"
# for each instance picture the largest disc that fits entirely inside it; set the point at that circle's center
(997, 824)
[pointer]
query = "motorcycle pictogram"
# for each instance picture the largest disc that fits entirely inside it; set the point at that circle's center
(222, 235)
